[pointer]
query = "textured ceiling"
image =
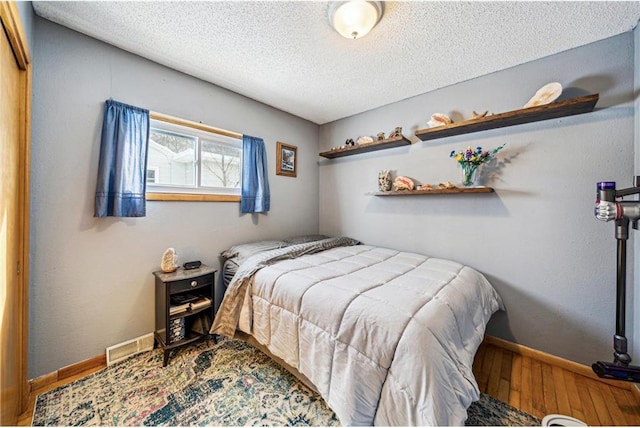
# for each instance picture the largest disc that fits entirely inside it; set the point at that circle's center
(286, 55)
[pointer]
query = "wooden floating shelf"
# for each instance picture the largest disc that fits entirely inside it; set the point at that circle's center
(570, 107)
(455, 190)
(389, 143)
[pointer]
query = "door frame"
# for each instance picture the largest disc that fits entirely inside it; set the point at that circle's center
(14, 30)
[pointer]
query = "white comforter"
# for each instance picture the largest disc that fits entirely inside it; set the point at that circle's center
(387, 337)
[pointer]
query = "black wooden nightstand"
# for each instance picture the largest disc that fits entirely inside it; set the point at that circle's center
(184, 307)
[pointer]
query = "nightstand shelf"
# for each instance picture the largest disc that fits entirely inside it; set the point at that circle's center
(189, 312)
(190, 338)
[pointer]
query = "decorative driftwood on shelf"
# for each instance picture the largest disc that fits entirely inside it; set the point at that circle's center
(389, 143)
(554, 110)
(435, 191)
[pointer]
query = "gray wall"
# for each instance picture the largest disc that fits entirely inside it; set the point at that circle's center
(536, 237)
(91, 281)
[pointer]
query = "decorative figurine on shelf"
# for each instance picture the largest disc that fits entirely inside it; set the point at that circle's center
(380, 136)
(478, 115)
(439, 119)
(169, 261)
(396, 132)
(404, 183)
(349, 142)
(384, 180)
(364, 140)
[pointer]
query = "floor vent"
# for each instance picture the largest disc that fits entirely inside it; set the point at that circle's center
(131, 347)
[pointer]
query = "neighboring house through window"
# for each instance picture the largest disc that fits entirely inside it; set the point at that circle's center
(191, 161)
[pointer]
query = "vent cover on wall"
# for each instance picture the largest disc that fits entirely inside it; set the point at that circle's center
(131, 347)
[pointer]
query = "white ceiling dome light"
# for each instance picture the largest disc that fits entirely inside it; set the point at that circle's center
(354, 19)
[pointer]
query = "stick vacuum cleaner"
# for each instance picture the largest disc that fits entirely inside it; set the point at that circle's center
(623, 212)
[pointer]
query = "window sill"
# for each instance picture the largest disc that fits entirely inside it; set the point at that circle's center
(191, 197)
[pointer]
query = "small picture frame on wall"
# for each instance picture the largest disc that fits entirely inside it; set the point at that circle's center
(287, 160)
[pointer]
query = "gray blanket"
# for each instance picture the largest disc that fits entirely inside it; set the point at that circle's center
(227, 317)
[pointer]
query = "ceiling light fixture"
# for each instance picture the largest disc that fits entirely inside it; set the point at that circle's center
(354, 19)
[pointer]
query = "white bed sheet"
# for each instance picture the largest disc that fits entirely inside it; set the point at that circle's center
(387, 337)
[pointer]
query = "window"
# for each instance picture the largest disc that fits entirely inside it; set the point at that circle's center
(152, 173)
(191, 161)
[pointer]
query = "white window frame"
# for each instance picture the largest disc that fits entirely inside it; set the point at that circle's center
(194, 192)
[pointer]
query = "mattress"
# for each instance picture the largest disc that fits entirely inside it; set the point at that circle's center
(386, 337)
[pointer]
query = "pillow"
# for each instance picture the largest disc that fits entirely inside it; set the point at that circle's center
(304, 239)
(242, 251)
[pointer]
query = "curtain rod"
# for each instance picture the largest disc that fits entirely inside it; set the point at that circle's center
(196, 125)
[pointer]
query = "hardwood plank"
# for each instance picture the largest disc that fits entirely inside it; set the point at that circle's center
(515, 381)
(575, 403)
(562, 397)
(628, 405)
(485, 369)
(537, 387)
(590, 414)
(599, 404)
(526, 396)
(548, 390)
(612, 406)
(477, 361)
(578, 415)
(494, 377)
(505, 377)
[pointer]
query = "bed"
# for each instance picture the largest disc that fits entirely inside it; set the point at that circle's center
(386, 337)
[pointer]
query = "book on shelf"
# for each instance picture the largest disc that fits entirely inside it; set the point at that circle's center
(180, 299)
(200, 303)
(176, 309)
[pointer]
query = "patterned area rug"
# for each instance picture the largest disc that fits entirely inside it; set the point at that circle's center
(228, 384)
(491, 412)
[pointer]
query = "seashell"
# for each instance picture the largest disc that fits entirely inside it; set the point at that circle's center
(479, 115)
(439, 119)
(364, 140)
(545, 95)
(403, 183)
(169, 260)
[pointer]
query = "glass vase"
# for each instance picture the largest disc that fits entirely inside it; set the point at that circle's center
(470, 172)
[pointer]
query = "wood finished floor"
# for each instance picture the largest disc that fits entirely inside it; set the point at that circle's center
(540, 389)
(524, 382)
